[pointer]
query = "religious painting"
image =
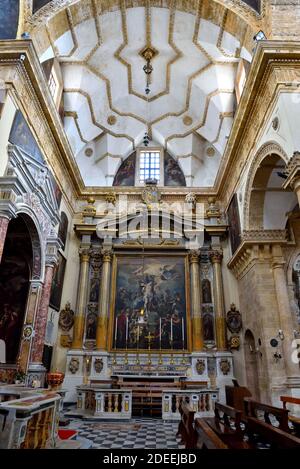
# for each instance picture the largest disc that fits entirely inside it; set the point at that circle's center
(57, 284)
(22, 137)
(126, 173)
(173, 175)
(56, 190)
(94, 290)
(150, 303)
(15, 270)
(234, 224)
(206, 291)
(63, 229)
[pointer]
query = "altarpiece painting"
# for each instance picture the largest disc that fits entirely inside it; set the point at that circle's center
(149, 303)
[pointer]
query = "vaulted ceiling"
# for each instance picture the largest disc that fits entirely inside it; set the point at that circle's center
(190, 108)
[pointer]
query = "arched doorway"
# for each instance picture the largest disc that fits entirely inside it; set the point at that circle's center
(251, 364)
(15, 274)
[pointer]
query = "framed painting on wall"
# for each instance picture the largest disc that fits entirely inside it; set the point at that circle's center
(234, 224)
(150, 302)
(57, 283)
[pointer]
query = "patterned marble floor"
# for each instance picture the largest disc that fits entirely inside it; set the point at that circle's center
(143, 433)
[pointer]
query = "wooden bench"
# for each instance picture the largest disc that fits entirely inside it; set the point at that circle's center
(227, 425)
(186, 426)
(252, 409)
(275, 437)
(292, 418)
(206, 438)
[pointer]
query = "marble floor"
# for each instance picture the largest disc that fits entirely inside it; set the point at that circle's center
(143, 433)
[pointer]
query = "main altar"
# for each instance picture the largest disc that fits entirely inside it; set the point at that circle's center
(149, 306)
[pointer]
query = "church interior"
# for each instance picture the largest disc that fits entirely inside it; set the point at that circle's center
(149, 224)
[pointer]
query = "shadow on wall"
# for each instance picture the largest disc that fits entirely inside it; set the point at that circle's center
(9, 18)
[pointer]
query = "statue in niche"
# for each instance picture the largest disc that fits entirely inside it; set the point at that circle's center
(91, 326)
(206, 291)
(208, 327)
(94, 290)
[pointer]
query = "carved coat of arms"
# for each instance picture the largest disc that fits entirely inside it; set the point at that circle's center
(98, 365)
(234, 320)
(200, 366)
(225, 366)
(66, 318)
(151, 195)
(74, 365)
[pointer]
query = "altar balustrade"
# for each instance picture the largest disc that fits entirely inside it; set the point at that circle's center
(98, 402)
(202, 402)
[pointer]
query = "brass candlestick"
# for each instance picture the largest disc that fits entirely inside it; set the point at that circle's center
(171, 358)
(114, 362)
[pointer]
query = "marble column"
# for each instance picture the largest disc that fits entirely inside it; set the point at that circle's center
(102, 332)
(216, 259)
(79, 319)
(284, 310)
(196, 302)
(42, 316)
(4, 221)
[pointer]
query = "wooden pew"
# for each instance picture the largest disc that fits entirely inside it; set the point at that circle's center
(206, 438)
(186, 428)
(252, 409)
(274, 436)
(228, 426)
(292, 418)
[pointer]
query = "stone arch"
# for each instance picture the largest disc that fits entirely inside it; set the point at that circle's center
(266, 150)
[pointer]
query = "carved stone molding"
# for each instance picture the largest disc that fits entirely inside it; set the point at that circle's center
(84, 254)
(293, 171)
(265, 236)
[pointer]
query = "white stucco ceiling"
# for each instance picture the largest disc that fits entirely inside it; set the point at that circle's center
(190, 107)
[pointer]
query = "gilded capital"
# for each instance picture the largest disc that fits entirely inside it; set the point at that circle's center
(216, 257)
(107, 256)
(84, 254)
(194, 257)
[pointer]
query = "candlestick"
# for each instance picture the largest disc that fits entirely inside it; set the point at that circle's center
(116, 332)
(160, 330)
(171, 330)
(126, 328)
(182, 327)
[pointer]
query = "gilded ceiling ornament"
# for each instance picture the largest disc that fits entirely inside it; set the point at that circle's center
(187, 120)
(111, 120)
(111, 198)
(88, 152)
(210, 151)
(213, 210)
(65, 341)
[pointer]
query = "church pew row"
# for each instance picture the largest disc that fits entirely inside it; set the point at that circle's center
(255, 409)
(229, 429)
(295, 421)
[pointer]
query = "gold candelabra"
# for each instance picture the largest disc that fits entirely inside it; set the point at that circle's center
(149, 337)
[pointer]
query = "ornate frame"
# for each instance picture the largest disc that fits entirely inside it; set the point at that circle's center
(149, 253)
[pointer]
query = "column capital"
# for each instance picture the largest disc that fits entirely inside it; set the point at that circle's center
(216, 256)
(52, 247)
(107, 255)
(84, 254)
(194, 256)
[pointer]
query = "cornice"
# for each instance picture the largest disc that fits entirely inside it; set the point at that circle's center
(269, 73)
(21, 55)
(255, 247)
